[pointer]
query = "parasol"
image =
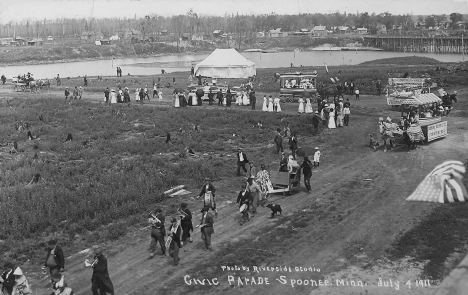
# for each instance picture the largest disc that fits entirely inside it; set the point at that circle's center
(443, 185)
(306, 94)
(179, 90)
(305, 151)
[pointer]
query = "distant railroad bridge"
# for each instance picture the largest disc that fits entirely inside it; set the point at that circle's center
(436, 44)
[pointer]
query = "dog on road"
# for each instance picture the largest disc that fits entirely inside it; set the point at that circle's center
(275, 209)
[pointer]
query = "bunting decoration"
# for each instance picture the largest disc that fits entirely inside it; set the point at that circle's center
(443, 185)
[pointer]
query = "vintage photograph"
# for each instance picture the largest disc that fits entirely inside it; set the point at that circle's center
(262, 147)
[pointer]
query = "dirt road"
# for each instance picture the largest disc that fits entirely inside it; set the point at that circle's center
(359, 192)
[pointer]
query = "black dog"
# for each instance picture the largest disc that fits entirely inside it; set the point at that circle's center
(275, 209)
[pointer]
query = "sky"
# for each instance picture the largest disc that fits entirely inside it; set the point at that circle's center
(17, 10)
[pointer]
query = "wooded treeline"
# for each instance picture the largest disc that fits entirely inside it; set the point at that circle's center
(193, 23)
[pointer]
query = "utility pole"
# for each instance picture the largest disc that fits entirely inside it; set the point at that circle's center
(463, 50)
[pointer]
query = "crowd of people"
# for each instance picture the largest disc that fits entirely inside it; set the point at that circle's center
(13, 280)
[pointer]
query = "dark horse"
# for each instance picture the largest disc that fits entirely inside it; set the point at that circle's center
(332, 90)
(409, 142)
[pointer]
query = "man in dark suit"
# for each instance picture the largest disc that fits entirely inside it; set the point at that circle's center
(55, 260)
(8, 278)
(278, 141)
(253, 99)
(307, 172)
(207, 228)
(241, 161)
(101, 282)
(316, 120)
(219, 96)
(157, 231)
(186, 223)
(175, 245)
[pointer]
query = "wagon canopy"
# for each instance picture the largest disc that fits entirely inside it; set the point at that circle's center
(226, 63)
(422, 99)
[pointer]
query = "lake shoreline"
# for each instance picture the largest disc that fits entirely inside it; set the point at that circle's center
(73, 60)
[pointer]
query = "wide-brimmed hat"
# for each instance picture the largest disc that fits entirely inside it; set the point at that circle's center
(98, 251)
(389, 119)
(18, 272)
(316, 148)
(207, 179)
(341, 99)
(316, 112)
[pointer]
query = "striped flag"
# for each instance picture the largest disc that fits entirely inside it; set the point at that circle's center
(443, 185)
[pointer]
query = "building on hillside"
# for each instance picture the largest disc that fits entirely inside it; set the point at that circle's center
(461, 25)
(260, 34)
(276, 33)
(421, 25)
(361, 31)
(164, 32)
(217, 33)
(6, 41)
(50, 38)
(198, 37)
(20, 41)
(320, 31)
(381, 29)
(343, 30)
(114, 37)
(37, 41)
(131, 34)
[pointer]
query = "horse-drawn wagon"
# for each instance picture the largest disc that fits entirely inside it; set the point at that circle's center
(297, 85)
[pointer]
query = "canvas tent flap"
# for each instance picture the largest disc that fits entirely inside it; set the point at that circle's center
(226, 63)
(423, 99)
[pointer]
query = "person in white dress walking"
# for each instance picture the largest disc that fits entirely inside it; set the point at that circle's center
(276, 103)
(113, 96)
(317, 157)
(137, 94)
(270, 104)
(265, 104)
(308, 107)
(331, 120)
(176, 100)
(160, 95)
(301, 105)
(245, 99)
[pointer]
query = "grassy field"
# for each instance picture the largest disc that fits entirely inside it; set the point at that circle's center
(116, 167)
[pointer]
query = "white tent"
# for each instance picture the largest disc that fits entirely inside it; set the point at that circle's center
(226, 63)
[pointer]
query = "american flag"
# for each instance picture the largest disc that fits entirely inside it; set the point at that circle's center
(443, 185)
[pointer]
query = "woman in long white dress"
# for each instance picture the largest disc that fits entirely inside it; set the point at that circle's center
(301, 105)
(176, 100)
(245, 99)
(160, 95)
(194, 98)
(137, 94)
(308, 107)
(239, 98)
(277, 104)
(331, 121)
(270, 104)
(265, 104)
(113, 96)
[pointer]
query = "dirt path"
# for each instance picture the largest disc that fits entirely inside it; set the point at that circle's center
(365, 217)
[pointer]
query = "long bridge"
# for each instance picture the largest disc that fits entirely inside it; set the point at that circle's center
(437, 44)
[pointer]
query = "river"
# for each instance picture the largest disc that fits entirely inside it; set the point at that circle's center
(174, 63)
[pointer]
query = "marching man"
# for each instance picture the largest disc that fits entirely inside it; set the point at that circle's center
(174, 235)
(101, 282)
(186, 223)
(206, 227)
(157, 231)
